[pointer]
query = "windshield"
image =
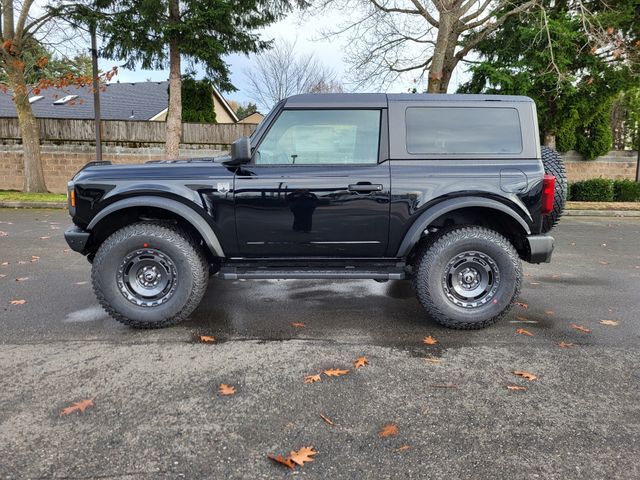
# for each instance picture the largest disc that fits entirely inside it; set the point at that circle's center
(265, 121)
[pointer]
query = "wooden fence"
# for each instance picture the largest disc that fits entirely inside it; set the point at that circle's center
(57, 130)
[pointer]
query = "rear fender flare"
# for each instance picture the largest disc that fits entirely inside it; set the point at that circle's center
(187, 213)
(413, 235)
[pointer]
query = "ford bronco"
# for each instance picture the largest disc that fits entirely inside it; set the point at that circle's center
(450, 191)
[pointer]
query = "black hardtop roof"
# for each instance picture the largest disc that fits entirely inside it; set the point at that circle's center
(328, 100)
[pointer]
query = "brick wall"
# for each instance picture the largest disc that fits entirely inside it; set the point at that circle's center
(617, 164)
(61, 162)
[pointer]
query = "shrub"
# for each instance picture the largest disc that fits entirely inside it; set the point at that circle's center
(593, 190)
(626, 191)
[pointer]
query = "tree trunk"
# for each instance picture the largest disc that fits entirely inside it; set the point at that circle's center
(443, 61)
(550, 139)
(174, 113)
(31, 156)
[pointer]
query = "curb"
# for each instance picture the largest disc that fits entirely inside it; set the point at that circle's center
(18, 204)
(601, 213)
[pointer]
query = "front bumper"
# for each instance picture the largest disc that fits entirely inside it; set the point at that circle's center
(77, 238)
(540, 248)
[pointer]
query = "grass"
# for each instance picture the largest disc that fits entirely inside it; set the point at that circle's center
(15, 196)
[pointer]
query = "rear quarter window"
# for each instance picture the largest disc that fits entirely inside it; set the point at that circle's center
(463, 130)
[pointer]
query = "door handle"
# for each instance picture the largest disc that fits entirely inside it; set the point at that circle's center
(365, 187)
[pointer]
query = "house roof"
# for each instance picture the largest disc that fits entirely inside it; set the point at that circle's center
(118, 101)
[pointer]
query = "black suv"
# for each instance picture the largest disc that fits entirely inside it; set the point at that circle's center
(451, 191)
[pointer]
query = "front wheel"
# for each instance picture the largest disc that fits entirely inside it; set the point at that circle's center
(149, 275)
(468, 278)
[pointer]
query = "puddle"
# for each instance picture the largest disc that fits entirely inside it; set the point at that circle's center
(91, 314)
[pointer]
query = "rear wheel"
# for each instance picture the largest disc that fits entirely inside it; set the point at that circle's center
(468, 277)
(553, 165)
(149, 275)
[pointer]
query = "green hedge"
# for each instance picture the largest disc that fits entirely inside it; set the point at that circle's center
(626, 191)
(604, 190)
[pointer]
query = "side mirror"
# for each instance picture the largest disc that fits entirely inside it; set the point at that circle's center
(241, 151)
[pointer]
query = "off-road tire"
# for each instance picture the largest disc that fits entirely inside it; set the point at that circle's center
(433, 260)
(191, 268)
(553, 165)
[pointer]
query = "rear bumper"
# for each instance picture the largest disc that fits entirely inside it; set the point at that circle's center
(540, 248)
(76, 238)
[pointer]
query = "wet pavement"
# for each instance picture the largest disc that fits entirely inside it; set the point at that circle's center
(157, 414)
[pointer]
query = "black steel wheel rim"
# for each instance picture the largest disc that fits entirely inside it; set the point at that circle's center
(147, 277)
(471, 279)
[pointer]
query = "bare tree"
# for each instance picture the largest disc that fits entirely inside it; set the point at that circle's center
(389, 38)
(279, 73)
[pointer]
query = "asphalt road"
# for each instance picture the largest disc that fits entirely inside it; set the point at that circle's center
(157, 413)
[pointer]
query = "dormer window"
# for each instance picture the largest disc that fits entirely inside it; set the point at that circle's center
(65, 99)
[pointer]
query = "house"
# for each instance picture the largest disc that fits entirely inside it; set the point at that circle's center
(255, 118)
(118, 101)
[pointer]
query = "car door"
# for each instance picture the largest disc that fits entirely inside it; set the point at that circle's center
(315, 187)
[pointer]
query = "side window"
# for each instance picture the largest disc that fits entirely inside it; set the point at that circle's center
(321, 137)
(463, 130)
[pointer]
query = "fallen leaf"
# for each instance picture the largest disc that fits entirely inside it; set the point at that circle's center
(2, 275)
(18, 302)
(527, 375)
(565, 345)
(550, 312)
(207, 339)
(602, 262)
(312, 378)
(45, 238)
(335, 372)
(81, 283)
(302, 456)
(225, 389)
(556, 275)
(534, 283)
(361, 362)
(522, 331)
(611, 323)
(3, 234)
(433, 360)
(21, 262)
(4, 264)
(297, 324)
(444, 385)
(22, 279)
(326, 419)
(516, 388)
(389, 430)
(580, 328)
(403, 448)
(280, 459)
(429, 340)
(80, 406)
(521, 304)
(34, 258)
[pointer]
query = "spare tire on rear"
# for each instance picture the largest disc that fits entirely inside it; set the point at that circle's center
(553, 165)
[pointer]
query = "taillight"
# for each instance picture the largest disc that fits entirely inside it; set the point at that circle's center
(548, 192)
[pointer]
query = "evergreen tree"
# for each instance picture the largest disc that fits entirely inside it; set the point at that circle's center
(159, 33)
(572, 62)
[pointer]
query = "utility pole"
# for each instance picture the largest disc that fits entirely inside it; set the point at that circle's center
(96, 90)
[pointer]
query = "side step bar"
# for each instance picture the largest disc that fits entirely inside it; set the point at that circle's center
(233, 273)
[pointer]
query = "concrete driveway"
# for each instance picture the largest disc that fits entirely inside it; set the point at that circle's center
(157, 413)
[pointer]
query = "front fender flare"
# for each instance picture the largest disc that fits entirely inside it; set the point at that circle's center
(412, 237)
(187, 213)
